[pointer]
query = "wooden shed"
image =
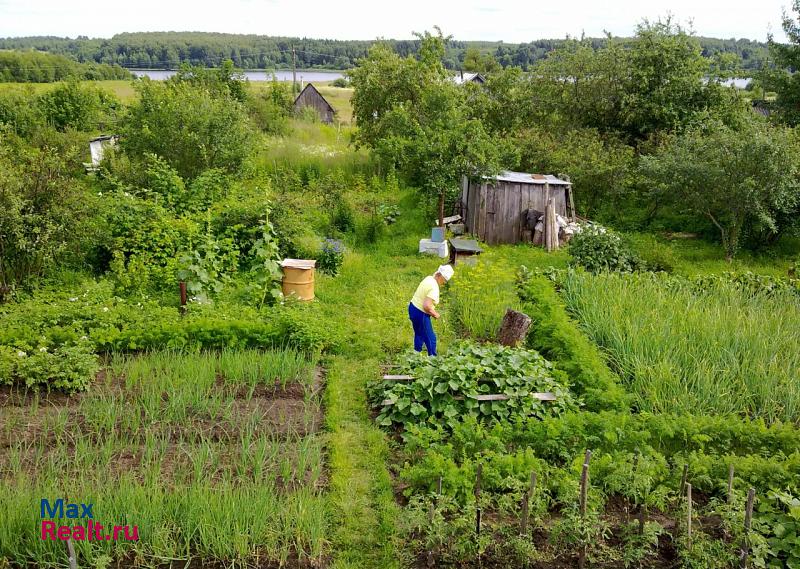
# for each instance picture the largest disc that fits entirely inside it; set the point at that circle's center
(310, 97)
(501, 209)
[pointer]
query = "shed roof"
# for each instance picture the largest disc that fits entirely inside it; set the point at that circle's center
(462, 78)
(310, 88)
(525, 178)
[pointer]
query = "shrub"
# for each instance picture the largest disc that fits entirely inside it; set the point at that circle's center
(331, 257)
(187, 126)
(598, 250)
(340, 82)
(343, 218)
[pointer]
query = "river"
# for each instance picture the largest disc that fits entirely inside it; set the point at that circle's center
(303, 75)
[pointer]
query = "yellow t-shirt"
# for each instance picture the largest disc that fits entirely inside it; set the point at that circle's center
(428, 288)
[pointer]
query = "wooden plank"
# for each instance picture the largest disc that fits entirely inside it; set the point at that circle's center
(545, 396)
(448, 220)
(391, 377)
(516, 212)
(480, 224)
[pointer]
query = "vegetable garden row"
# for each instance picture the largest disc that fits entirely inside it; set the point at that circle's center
(498, 483)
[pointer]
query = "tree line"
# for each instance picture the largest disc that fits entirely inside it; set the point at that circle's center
(38, 67)
(167, 50)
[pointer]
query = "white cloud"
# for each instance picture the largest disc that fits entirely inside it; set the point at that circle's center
(508, 20)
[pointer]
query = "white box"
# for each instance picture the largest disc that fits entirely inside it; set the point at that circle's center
(430, 247)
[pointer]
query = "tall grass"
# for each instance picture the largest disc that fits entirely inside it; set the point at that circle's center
(717, 351)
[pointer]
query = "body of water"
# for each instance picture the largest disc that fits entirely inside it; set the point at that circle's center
(305, 75)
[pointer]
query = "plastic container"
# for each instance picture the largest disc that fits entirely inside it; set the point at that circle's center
(437, 234)
(298, 278)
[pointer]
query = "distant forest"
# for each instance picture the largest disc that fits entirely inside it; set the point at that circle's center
(167, 50)
(35, 67)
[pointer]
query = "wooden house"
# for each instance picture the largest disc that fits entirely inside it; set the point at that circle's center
(504, 209)
(462, 78)
(310, 97)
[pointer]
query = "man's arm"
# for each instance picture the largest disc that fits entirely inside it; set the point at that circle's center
(429, 308)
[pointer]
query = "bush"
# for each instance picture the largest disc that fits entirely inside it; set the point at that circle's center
(655, 255)
(187, 126)
(597, 250)
(340, 82)
(69, 368)
(331, 257)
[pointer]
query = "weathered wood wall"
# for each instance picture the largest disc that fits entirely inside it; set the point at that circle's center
(310, 97)
(496, 214)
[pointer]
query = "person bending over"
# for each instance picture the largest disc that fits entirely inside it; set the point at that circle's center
(423, 306)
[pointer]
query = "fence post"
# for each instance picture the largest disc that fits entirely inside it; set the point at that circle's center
(748, 520)
(683, 479)
(478, 500)
(730, 484)
(689, 514)
(583, 499)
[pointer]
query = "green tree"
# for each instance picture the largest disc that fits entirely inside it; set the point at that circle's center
(736, 178)
(187, 126)
(782, 77)
(599, 167)
(414, 117)
(72, 105)
(477, 62)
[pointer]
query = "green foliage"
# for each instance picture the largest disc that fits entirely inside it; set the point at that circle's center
(68, 368)
(557, 337)
(444, 388)
(684, 349)
(188, 126)
(598, 249)
(599, 167)
(224, 81)
(475, 61)
(414, 118)
(37, 67)
(737, 179)
(265, 269)
(207, 268)
(40, 207)
(777, 521)
(72, 105)
(330, 257)
(271, 108)
(340, 82)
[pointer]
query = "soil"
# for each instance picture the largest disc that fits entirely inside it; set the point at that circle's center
(283, 413)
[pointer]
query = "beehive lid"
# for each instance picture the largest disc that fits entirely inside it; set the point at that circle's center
(466, 246)
(299, 263)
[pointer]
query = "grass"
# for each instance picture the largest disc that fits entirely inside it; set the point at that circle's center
(214, 456)
(721, 351)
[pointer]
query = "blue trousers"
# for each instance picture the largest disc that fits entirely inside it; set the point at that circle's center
(423, 330)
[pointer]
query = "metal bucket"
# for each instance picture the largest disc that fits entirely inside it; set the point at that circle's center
(298, 278)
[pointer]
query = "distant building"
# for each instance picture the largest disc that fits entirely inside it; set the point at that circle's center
(310, 97)
(97, 148)
(462, 78)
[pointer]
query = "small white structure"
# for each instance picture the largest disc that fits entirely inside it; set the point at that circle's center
(430, 247)
(97, 148)
(462, 78)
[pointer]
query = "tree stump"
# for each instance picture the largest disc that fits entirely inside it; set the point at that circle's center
(514, 328)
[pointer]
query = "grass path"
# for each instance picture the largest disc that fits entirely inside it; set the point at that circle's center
(366, 307)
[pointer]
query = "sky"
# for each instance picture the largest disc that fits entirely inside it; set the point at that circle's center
(507, 20)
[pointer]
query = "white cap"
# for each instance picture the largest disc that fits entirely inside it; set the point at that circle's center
(446, 271)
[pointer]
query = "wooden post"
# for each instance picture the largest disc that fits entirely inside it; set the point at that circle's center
(73, 560)
(748, 520)
(689, 514)
(730, 484)
(182, 286)
(526, 499)
(582, 505)
(478, 499)
(683, 479)
(294, 73)
(514, 328)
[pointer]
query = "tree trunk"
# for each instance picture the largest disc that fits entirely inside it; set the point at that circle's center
(514, 328)
(441, 209)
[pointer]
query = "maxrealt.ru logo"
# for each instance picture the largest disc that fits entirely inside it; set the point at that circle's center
(91, 531)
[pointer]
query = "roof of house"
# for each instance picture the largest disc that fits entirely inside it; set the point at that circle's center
(525, 178)
(314, 89)
(467, 77)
